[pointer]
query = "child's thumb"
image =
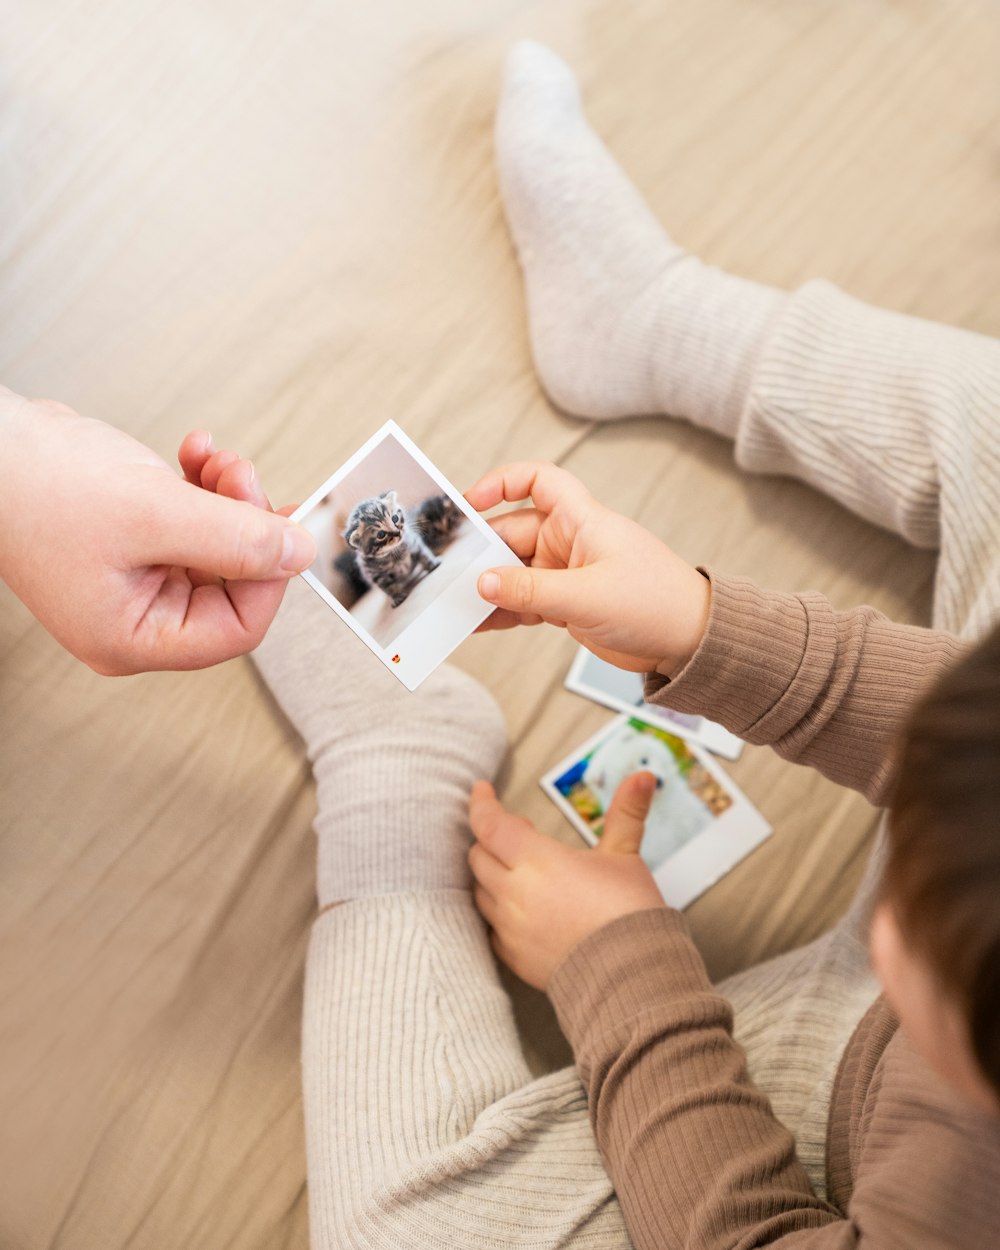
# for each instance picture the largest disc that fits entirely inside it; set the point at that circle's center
(625, 822)
(555, 594)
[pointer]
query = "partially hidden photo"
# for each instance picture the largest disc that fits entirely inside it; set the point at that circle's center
(399, 553)
(700, 824)
(623, 691)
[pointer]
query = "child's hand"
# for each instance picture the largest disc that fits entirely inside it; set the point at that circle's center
(540, 897)
(614, 586)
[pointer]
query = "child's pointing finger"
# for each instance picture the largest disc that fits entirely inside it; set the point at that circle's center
(519, 530)
(625, 822)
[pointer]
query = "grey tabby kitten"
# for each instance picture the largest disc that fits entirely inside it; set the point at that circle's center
(436, 520)
(389, 555)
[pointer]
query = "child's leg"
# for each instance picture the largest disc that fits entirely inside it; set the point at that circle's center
(423, 1125)
(894, 417)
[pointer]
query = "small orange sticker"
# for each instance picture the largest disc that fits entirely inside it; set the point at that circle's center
(395, 659)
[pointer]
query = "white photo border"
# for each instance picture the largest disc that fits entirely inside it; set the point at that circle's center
(716, 738)
(424, 644)
(709, 855)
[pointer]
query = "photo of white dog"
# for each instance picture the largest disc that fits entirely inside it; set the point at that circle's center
(700, 823)
(676, 814)
(616, 688)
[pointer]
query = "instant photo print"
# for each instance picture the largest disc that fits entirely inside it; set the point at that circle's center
(399, 553)
(700, 824)
(623, 692)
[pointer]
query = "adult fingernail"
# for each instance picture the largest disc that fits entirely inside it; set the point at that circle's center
(298, 549)
(489, 586)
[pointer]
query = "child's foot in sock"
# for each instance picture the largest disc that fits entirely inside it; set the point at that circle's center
(622, 320)
(393, 769)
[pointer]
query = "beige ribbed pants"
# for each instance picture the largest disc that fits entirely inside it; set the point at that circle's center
(424, 1127)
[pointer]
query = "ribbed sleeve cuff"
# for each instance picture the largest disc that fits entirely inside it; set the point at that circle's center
(620, 973)
(824, 688)
(749, 659)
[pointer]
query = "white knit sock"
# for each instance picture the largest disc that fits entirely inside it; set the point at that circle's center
(393, 769)
(622, 320)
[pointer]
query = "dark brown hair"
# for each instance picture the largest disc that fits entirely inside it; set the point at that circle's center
(943, 873)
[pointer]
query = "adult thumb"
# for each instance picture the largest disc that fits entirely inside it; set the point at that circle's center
(555, 594)
(226, 537)
(625, 822)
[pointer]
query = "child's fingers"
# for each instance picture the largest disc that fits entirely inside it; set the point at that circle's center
(496, 830)
(519, 530)
(501, 950)
(625, 822)
(502, 619)
(488, 871)
(486, 904)
(482, 790)
(194, 450)
(545, 484)
(555, 595)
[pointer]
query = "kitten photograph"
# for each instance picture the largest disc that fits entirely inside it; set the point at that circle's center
(436, 520)
(390, 541)
(390, 552)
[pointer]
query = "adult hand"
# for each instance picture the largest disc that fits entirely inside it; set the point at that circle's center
(614, 586)
(539, 897)
(128, 565)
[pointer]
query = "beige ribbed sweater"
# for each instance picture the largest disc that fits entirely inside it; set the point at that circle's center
(424, 1125)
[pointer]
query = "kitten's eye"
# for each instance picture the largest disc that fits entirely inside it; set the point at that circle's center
(644, 760)
(396, 517)
(380, 534)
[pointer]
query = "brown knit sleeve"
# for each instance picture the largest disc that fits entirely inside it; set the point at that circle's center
(697, 1157)
(695, 1154)
(824, 688)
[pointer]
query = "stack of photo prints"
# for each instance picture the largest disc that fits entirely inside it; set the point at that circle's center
(700, 824)
(399, 553)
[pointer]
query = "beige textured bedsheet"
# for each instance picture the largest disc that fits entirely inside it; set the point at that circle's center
(281, 221)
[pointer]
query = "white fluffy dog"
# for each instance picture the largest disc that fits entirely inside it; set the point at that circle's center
(676, 814)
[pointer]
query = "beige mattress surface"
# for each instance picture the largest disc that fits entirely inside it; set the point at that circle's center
(281, 221)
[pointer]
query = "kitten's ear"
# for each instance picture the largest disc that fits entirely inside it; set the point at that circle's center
(391, 499)
(353, 536)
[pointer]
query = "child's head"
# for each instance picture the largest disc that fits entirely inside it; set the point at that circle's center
(936, 933)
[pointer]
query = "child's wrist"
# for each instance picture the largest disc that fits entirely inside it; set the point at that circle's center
(689, 626)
